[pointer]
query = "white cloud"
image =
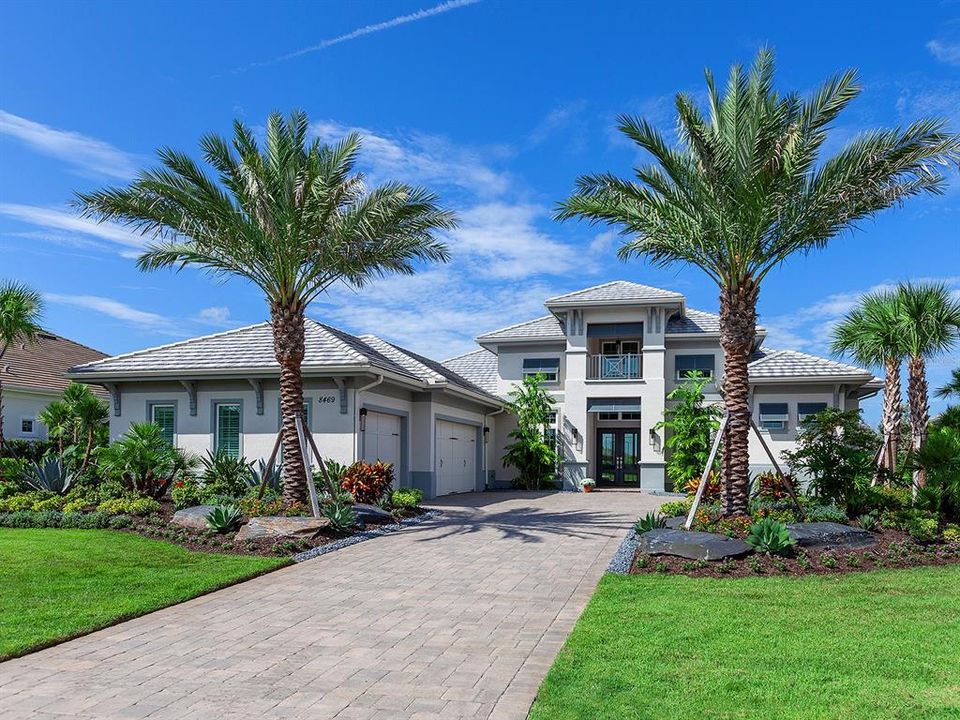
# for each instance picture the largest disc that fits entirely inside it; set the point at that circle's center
(565, 117)
(116, 310)
(420, 158)
(604, 242)
(53, 219)
(945, 52)
(369, 30)
(214, 316)
(503, 242)
(83, 152)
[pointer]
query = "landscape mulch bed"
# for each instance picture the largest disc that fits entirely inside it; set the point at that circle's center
(893, 550)
(159, 527)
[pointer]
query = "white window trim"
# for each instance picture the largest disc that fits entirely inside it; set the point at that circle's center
(216, 424)
(33, 425)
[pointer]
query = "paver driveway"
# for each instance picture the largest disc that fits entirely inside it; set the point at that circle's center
(457, 617)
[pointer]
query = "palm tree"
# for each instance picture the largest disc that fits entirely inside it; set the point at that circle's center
(929, 326)
(293, 218)
(745, 190)
(20, 311)
(952, 387)
(869, 334)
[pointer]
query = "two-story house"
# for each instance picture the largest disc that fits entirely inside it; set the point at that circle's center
(612, 353)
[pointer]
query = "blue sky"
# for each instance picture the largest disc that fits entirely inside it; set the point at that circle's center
(497, 106)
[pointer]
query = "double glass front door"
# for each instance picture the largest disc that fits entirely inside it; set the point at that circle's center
(618, 456)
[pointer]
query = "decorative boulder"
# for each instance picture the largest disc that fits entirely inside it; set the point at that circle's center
(371, 513)
(676, 523)
(194, 517)
(692, 545)
(830, 536)
(269, 527)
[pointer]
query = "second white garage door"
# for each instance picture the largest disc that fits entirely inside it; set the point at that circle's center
(381, 441)
(456, 457)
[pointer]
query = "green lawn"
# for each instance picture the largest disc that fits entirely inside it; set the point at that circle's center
(867, 645)
(56, 584)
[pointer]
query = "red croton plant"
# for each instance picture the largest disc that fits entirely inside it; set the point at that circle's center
(368, 482)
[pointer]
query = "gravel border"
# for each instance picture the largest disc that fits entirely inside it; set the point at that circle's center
(365, 535)
(623, 558)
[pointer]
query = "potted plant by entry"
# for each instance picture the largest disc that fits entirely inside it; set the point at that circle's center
(587, 484)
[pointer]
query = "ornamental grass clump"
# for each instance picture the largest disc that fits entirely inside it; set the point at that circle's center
(770, 537)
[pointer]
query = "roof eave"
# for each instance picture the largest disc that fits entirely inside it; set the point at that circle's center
(848, 378)
(677, 301)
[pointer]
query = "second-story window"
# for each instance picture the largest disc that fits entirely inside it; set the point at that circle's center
(774, 416)
(548, 367)
(686, 364)
(805, 410)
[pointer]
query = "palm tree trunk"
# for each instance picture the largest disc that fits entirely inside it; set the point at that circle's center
(738, 330)
(919, 411)
(891, 419)
(88, 450)
(288, 344)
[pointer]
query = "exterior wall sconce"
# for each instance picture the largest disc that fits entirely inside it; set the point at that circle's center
(486, 434)
(363, 419)
(654, 440)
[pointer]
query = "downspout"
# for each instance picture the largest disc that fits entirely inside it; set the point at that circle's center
(356, 414)
(486, 475)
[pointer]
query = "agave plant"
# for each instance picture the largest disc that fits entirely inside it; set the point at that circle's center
(224, 518)
(260, 475)
(650, 521)
(341, 515)
(51, 475)
(770, 537)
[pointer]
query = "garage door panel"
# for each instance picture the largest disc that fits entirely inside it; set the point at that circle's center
(382, 441)
(456, 461)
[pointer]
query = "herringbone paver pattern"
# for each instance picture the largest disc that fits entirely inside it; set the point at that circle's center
(457, 618)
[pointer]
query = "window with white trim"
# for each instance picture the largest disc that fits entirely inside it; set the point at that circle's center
(774, 416)
(227, 431)
(549, 368)
(28, 426)
(684, 365)
(165, 416)
(808, 409)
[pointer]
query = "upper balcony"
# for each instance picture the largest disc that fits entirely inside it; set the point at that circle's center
(617, 366)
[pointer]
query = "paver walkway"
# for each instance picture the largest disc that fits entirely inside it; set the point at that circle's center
(457, 617)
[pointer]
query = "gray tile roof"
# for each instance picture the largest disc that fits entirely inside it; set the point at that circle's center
(547, 327)
(479, 367)
(770, 363)
(616, 291)
(246, 348)
(693, 322)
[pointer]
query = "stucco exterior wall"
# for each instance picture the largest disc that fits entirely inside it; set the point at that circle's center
(19, 405)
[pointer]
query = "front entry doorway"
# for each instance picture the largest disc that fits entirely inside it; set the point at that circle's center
(618, 457)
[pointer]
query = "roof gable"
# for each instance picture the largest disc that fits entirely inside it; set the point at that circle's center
(770, 363)
(43, 365)
(479, 367)
(617, 291)
(547, 327)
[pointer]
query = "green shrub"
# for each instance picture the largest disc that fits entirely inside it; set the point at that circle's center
(12, 473)
(869, 522)
(406, 498)
(676, 508)
(224, 518)
(54, 519)
(923, 529)
(770, 537)
(22, 501)
(57, 502)
(951, 533)
(78, 505)
(131, 505)
(901, 519)
(224, 475)
(826, 513)
(650, 521)
(118, 522)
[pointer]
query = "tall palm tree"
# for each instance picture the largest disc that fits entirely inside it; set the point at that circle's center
(292, 217)
(746, 189)
(20, 310)
(870, 335)
(929, 326)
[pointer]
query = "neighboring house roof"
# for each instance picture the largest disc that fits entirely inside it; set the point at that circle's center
(768, 363)
(480, 367)
(250, 349)
(42, 366)
(547, 327)
(616, 292)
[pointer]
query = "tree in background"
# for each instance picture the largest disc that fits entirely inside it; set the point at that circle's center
(292, 217)
(870, 335)
(929, 326)
(747, 189)
(78, 423)
(690, 423)
(534, 457)
(20, 310)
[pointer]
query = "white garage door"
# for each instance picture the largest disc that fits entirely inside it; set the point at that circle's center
(456, 457)
(381, 441)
